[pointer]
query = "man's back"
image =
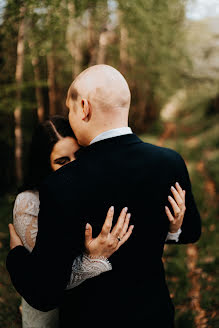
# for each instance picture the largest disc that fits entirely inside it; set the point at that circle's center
(122, 171)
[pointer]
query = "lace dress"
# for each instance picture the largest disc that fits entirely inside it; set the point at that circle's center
(25, 216)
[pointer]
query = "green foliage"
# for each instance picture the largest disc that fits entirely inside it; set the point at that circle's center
(156, 43)
(155, 39)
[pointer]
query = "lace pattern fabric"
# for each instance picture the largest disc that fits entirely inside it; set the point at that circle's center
(25, 217)
(86, 267)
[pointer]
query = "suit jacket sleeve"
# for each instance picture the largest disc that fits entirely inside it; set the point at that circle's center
(42, 275)
(191, 227)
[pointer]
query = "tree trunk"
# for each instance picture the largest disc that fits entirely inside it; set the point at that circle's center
(101, 56)
(74, 41)
(51, 83)
(106, 38)
(91, 38)
(38, 90)
(144, 111)
(18, 109)
(123, 49)
(78, 58)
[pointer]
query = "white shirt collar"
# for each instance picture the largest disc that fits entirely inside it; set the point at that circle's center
(112, 133)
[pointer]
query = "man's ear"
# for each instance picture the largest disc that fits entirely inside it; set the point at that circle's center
(86, 108)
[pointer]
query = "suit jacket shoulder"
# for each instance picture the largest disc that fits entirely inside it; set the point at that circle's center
(166, 153)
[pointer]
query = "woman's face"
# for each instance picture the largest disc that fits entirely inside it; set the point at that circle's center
(63, 152)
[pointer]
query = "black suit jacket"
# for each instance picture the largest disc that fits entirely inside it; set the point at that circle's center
(120, 171)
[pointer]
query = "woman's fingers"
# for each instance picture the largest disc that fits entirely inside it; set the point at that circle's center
(125, 226)
(108, 222)
(11, 229)
(178, 204)
(126, 236)
(169, 214)
(177, 197)
(119, 225)
(14, 238)
(180, 191)
(174, 205)
(88, 233)
(184, 193)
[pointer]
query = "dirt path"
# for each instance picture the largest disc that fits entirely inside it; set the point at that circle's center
(194, 293)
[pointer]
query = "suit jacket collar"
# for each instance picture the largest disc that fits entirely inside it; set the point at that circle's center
(112, 133)
(102, 144)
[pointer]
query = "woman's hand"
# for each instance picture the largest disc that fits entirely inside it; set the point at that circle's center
(107, 242)
(178, 206)
(14, 238)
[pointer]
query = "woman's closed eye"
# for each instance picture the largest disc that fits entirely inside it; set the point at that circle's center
(62, 160)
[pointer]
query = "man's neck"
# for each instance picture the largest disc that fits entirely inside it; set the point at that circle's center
(110, 133)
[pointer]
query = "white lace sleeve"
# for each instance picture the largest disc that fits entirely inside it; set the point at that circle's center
(25, 217)
(85, 267)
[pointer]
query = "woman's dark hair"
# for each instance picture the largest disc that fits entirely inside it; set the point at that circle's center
(46, 135)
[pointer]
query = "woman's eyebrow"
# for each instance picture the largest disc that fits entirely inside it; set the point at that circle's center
(60, 158)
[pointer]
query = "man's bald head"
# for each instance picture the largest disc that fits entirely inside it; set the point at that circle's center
(103, 86)
(98, 100)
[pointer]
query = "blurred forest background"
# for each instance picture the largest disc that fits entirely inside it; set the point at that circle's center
(171, 63)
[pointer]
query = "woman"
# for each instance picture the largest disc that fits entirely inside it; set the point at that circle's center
(54, 145)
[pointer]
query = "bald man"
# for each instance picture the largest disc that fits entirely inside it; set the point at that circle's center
(113, 167)
(98, 101)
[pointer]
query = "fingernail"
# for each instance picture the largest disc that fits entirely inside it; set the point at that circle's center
(169, 197)
(177, 183)
(87, 226)
(112, 208)
(126, 209)
(128, 215)
(132, 227)
(172, 188)
(165, 207)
